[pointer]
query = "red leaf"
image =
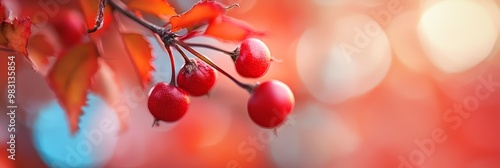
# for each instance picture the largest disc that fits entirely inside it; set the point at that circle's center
(230, 29)
(200, 14)
(70, 79)
(40, 49)
(191, 34)
(89, 8)
(139, 51)
(160, 8)
(15, 35)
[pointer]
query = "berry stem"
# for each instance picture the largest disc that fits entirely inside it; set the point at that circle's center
(156, 29)
(168, 40)
(172, 63)
(211, 47)
(245, 86)
(186, 58)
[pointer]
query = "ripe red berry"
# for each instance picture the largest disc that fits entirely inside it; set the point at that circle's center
(270, 103)
(253, 59)
(168, 103)
(196, 77)
(70, 26)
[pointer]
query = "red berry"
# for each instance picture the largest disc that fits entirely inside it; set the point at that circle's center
(196, 77)
(270, 103)
(168, 103)
(253, 59)
(70, 26)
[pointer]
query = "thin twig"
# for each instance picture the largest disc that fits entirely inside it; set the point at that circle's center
(210, 47)
(158, 30)
(99, 19)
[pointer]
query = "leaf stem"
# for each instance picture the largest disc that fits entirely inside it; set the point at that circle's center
(211, 47)
(247, 87)
(158, 30)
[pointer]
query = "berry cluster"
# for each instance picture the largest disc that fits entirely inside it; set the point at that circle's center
(269, 104)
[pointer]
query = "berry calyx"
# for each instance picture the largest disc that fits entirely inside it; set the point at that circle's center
(252, 59)
(167, 102)
(196, 77)
(270, 103)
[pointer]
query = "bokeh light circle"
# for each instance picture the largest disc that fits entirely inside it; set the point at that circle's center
(402, 32)
(342, 60)
(312, 137)
(91, 146)
(457, 35)
(205, 124)
(344, 2)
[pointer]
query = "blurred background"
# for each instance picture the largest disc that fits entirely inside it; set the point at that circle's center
(377, 83)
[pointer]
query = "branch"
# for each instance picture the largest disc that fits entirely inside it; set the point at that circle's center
(7, 50)
(99, 18)
(156, 29)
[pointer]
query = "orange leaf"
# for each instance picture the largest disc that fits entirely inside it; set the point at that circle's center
(160, 8)
(227, 28)
(200, 14)
(40, 50)
(15, 35)
(89, 8)
(70, 79)
(139, 51)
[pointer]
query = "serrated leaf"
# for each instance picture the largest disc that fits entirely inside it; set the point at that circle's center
(90, 8)
(15, 35)
(159, 8)
(70, 79)
(40, 49)
(230, 29)
(139, 51)
(200, 14)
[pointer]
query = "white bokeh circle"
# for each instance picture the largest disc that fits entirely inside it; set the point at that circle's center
(92, 146)
(313, 137)
(457, 35)
(344, 59)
